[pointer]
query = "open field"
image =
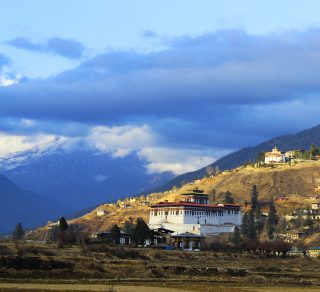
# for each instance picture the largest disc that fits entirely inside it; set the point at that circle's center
(28, 287)
(31, 267)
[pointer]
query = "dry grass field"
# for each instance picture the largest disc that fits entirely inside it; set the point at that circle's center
(31, 267)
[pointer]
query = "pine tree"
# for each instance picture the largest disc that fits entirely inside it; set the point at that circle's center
(228, 199)
(252, 233)
(245, 225)
(209, 171)
(272, 220)
(18, 232)
(252, 226)
(63, 225)
(141, 232)
(236, 237)
(254, 198)
(314, 150)
(115, 234)
(260, 158)
(129, 226)
(258, 221)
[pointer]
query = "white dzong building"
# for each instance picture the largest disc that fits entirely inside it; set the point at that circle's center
(194, 214)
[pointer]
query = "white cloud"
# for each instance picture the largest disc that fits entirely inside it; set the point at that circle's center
(118, 142)
(121, 141)
(178, 160)
(11, 144)
(8, 82)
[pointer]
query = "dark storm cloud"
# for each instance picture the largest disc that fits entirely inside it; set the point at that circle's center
(213, 86)
(63, 47)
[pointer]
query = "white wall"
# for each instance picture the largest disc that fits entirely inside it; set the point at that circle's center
(200, 222)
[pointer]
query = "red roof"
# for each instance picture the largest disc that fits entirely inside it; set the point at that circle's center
(188, 204)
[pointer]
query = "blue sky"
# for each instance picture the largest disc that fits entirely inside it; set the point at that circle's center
(192, 79)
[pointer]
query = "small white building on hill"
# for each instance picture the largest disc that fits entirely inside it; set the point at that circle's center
(194, 214)
(275, 156)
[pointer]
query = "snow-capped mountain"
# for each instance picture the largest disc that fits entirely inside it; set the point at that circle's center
(80, 176)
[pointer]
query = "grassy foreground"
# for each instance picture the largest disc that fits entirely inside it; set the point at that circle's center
(41, 267)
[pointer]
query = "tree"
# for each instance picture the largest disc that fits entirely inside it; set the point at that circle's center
(209, 171)
(245, 225)
(252, 233)
(63, 225)
(260, 158)
(236, 237)
(228, 199)
(258, 220)
(272, 220)
(115, 234)
(253, 214)
(217, 170)
(314, 151)
(141, 232)
(254, 198)
(18, 232)
(129, 226)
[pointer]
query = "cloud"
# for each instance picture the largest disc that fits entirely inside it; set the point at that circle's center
(178, 160)
(117, 142)
(121, 141)
(63, 47)
(224, 89)
(12, 144)
(124, 140)
(9, 81)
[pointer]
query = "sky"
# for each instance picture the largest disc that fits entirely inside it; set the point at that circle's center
(181, 83)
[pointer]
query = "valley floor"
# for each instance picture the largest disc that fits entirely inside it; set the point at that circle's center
(31, 267)
(145, 287)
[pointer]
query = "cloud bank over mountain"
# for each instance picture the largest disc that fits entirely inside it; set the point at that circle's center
(197, 97)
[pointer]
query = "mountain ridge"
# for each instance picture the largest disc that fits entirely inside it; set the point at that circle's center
(302, 139)
(31, 209)
(81, 177)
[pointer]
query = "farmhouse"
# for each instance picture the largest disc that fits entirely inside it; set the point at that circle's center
(275, 156)
(195, 215)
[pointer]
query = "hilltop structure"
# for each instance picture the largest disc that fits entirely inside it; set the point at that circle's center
(195, 215)
(275, 156)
